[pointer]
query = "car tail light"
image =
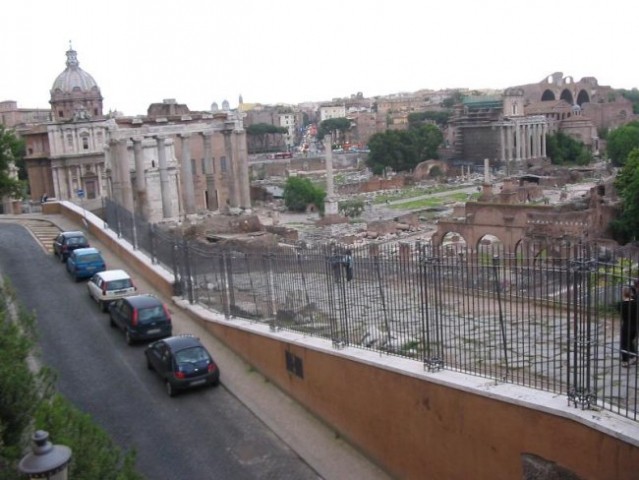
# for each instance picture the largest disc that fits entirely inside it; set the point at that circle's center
(166, 312)
(180, 375)
(104, 289)
(212, 367)
(134, 319)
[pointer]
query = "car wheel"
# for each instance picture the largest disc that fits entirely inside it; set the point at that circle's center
(170, 389)
(111, 322)
(102, 305)
(127, 337)
(148, 364)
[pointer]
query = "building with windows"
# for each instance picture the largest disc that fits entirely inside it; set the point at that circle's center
(167, 163)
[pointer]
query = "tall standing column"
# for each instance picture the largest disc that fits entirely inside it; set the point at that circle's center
(242, 161)
(209, 171)
(164, 178)
(140, 178)
(330, 205)
(544, 132)
(141, 203)
(112, 158)
(187, 175)
(232, 180)
(502, 143)
(124, 171)
(518, 149)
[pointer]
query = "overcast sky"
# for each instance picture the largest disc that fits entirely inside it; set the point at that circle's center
(289, 51)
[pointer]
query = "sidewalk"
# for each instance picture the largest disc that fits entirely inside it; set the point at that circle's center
(320, 446)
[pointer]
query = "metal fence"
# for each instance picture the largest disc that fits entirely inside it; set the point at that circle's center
(544, 317)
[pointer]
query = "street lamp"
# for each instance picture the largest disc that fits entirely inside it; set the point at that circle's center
(45, 459)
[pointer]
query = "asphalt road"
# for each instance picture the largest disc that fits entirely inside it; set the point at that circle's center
(204, 434)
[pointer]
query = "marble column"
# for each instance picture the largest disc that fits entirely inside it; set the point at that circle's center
(210, 172)
(140, 177)
(242, 161)
(330, 205)
(544, 132)
(111, 153)
(124, 171)
(164, 178)
(518, 149)
(502, 143)
(187, 175)
(230, 162)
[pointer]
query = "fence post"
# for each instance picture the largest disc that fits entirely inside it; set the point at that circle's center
(268, 257)
(225, 292)
(152, 242)
(187, 271)
(502, 327)
(433, 357)
(580, 392)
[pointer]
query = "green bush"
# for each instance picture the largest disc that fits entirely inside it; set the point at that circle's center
(28, 402)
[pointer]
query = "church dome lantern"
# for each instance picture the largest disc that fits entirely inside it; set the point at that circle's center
(75, 94)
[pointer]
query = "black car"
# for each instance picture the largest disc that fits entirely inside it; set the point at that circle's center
(65, 242)
(182, 362)
(142, 317)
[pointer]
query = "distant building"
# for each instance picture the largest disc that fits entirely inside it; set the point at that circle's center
(332, 111)
(11, 116)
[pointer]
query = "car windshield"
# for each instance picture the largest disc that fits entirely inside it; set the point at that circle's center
(76, 240)
(89, 258)
(119, 284)
(150, 314)
(191, 355)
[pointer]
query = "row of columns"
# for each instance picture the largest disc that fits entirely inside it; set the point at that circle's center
(522, 141)
(235, 175)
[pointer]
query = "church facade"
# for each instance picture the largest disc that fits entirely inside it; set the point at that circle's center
(167, 163)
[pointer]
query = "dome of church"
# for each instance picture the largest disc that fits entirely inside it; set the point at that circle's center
(75, 95)
(74, 78)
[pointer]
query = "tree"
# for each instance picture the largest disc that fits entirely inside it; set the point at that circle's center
(440, 117)
(621, 141)
(28, 401)
(565, 150)
(262, 132)
(626, 225)
(333, 125)
(403, 150)
(11, 154)
(633, 96)
(301, 192)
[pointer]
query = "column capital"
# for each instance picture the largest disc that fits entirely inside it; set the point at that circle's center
(185, 135)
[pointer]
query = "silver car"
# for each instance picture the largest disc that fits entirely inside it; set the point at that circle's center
(105, 287)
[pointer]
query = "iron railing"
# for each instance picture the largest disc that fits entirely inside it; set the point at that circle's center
(543, 317)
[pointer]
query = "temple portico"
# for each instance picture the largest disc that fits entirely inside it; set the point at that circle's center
(168, 186)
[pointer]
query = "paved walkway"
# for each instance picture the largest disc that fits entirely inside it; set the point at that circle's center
(315, 442)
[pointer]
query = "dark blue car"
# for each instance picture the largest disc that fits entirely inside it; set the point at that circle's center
(85, 262)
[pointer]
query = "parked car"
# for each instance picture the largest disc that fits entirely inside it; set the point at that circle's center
(65, 242)
(182, 362)
(109, 285)
(142, 317)
(85, 262)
